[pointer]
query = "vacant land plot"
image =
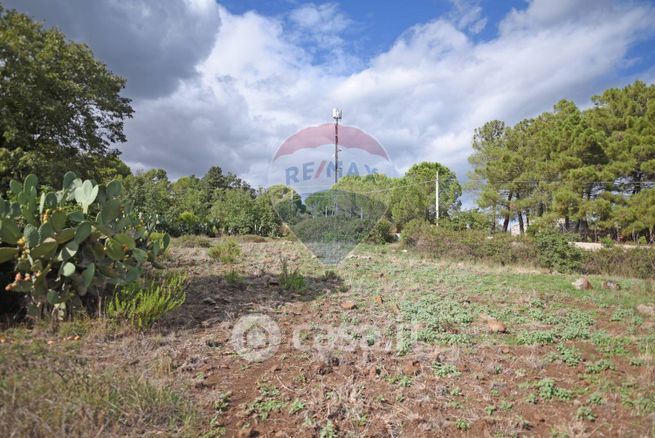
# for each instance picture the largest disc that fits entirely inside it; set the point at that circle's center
(386, 344)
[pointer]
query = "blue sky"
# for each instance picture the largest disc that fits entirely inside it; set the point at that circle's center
(224, 83)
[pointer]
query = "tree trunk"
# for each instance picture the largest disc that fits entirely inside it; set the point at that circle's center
(493, 223)
(521, 222)
(507, 213)
(527, 219)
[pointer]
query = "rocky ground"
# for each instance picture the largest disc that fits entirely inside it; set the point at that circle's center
(386, 343)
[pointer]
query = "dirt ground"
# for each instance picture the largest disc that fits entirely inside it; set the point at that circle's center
(389, 343)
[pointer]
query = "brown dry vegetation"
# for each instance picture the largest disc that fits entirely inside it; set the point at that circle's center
(413, 355)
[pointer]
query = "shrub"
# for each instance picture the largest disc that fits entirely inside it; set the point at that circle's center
(626, 262)
(414, 231)
(67, 248)
(227, 251)
(291, 280)
(556, 252)
(142, 305)
(381, 232)
(191, 241)
(330, 229)
(233, 278)
(467, 245)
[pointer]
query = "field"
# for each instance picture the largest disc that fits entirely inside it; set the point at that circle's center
(387, 343)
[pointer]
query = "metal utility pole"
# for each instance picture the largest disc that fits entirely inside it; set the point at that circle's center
(336, 115)
(436, 200)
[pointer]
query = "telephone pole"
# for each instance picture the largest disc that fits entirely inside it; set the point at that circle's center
(336, 115)
(436, 198)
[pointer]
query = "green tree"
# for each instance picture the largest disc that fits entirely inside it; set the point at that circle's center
(60, 109)
(414, 195)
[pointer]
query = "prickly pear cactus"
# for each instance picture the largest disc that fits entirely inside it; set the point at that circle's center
(68, 246)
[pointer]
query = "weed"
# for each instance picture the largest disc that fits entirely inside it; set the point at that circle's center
(531, 398)
(400, 380)
(462, 424)
(191, 241)
(227, 251)
(328, 430)
(585, 413)
(569, 355)
(293, 280)
(360, 420)
(222, 403)
(143, 305)
(441, 369)
(263, 408)
(596, 399)
(548, 390)
(233, 278)
(600, 366)
(505, 405)
(296, 406)
(536, 337)
(490, 409)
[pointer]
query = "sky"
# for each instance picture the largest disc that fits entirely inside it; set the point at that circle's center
(225, 83)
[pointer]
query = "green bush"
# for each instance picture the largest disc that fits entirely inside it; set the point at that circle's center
(381, 232)
(414, 231)
(626, 262)
(331, 229)
(467, 245)
(191, 241)
(67, 248)
(227, 251)
(556, 252)
(141, 304)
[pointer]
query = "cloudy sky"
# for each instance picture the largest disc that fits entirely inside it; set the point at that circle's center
(224, 83)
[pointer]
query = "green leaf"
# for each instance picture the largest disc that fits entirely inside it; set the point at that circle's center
(110, 211)
(53, 297)
(76, 216)
(65, 235)
(45, 230)
(9, 231)
(114, 188)
(67, 269)
(15, 187)
(87, 275)
(139, 255)
(30, 183)
(31, 234)
(47, 248)
(69, 250)
(83, 231)
(114, 249)
(125, 239)
(51, 200)
(7, 254)
(69, 177)
(58, 220)
(132, 274)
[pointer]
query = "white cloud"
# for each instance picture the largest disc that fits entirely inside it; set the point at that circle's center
(422, 98)
(467, 15)
(264, 78)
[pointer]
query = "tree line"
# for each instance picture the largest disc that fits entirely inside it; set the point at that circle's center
(591, 171)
